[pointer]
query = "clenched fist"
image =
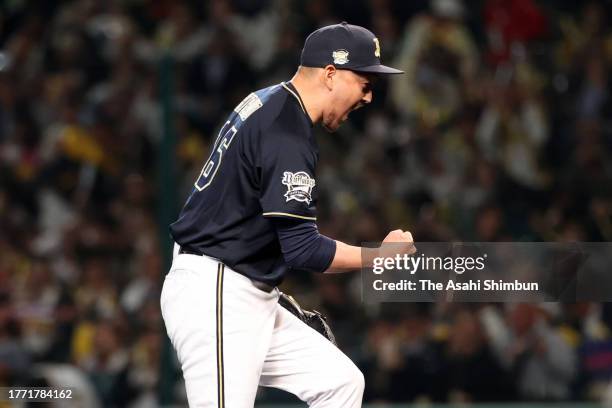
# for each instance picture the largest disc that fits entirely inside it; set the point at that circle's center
(399, 242)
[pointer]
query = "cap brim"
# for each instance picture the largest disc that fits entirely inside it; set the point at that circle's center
(378, 69)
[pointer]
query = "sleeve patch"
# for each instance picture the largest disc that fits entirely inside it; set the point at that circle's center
(248, 105)
(299, 186)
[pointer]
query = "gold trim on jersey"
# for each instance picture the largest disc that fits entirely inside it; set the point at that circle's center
(220, 374)
(302, 217)
(296, 97)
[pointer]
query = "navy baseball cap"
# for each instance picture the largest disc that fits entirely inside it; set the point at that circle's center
(344, 46)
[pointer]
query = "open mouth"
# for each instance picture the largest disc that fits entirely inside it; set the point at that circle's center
(353, 108)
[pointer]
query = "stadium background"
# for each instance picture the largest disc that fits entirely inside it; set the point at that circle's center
(499, 131)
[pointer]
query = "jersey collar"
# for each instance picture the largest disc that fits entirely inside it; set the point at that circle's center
(291, 89)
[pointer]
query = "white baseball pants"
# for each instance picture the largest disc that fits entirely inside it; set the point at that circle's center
(231, 337)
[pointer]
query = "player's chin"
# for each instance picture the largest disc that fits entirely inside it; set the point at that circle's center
(332, 126)
(336, 122)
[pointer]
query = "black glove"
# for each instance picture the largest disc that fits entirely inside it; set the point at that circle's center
(313, 318)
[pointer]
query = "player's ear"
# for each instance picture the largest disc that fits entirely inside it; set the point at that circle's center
(329, 75)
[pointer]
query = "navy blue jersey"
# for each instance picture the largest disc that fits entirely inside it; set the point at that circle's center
(261, 165)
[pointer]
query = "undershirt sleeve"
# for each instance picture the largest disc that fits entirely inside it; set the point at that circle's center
(303, 247)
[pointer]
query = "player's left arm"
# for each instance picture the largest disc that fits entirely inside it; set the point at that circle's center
(304, 248)
(348, 257)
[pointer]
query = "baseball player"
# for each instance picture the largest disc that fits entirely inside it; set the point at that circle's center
(250, 220)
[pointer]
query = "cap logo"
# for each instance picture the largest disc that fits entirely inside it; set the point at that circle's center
(377, 50)
(340, 57)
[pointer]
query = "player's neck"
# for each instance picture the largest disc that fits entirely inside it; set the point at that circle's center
(307, 94)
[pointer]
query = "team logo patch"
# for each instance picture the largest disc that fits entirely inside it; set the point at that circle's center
(340, 57)
(299, 186)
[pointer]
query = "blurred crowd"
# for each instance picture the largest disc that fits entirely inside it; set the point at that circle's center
(500, 130)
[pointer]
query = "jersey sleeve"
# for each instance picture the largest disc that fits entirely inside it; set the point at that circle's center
(288, 185)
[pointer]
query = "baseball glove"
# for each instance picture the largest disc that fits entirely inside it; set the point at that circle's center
(313, 318)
